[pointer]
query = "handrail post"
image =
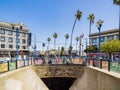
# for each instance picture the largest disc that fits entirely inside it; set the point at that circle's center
(108, 65)
(8, 65)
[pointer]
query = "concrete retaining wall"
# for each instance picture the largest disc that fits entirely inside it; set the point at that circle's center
(21, 79)
(97, 79)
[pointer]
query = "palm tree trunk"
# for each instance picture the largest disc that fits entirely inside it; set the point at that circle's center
(72, 31)
(89, 33)
(65, 44)
(119, 29)
(54, 43)
(89, 41)
(119, 22)
(76, 46)
(48, 48)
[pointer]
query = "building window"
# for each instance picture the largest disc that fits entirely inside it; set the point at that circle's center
(23, 47)
(2, 31)
(10, 32)
(11, 46)
(111, 37)
(23, 34)
(94, 40)
(2, 39)
(10, 39)
(23, 41)
(102, 39)
(2, 45)
(18, 47)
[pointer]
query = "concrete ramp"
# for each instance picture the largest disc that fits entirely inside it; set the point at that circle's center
(97, 79)
(21, 79)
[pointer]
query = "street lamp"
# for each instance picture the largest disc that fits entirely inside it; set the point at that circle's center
(99, 25)
(17, 43)
(17, 27)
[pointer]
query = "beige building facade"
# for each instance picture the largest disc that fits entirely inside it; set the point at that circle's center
(105, 35)
(8, 40)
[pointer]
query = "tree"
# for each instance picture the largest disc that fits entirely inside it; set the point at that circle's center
(43, 45)
(66, 38)
(55, 35)
(78, 16)
(48, 39)
(54, 52)
(91, 49)
(117, 2)
(110, 47)
(62, 51)
(91, 21)
(77, 39)
(70, 50)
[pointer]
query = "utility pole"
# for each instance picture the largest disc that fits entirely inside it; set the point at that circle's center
(34, 47)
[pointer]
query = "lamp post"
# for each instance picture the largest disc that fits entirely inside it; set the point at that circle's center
(99, 25)
(19, 26)
(14, 26)
(17, 43)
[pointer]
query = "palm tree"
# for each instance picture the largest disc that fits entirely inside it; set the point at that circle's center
(48, 39)
(66, 38)
(43, 45)
(117, 2)
(62, 51)
(55, 35)
(77, 39)
(70, 50)
(91, 19)
(78, 16)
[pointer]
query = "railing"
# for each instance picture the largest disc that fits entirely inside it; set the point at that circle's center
(7, 65)
(59, 60)
(110, 65)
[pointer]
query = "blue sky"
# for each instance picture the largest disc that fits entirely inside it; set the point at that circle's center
(44, 17)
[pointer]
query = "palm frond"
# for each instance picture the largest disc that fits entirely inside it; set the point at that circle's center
(117, 2)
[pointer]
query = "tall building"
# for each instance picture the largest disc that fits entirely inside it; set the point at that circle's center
(105, 35)
(8, 40)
